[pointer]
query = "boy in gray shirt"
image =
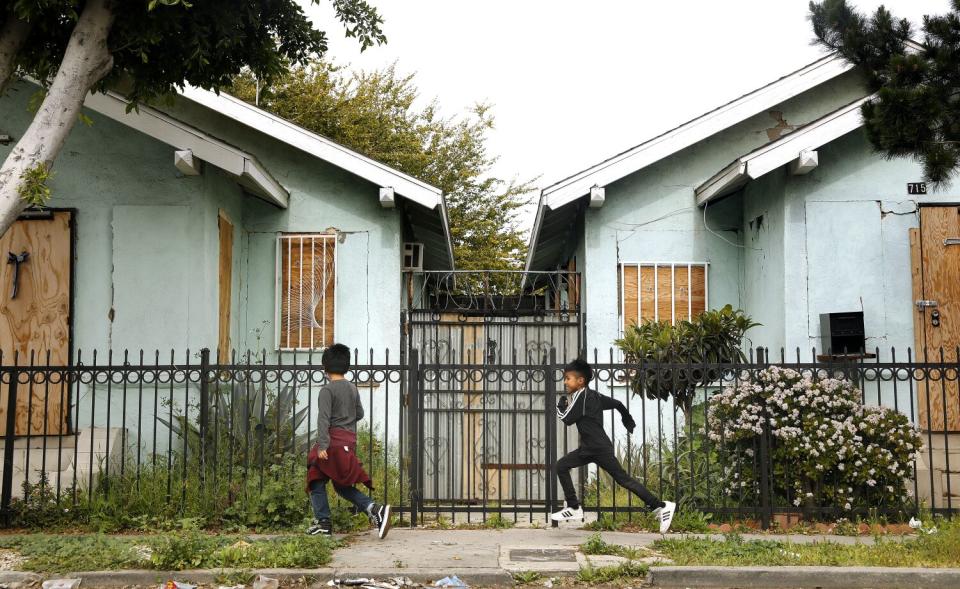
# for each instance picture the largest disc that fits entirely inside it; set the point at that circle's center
(333, 457)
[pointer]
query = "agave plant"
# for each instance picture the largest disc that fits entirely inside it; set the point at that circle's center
(688, 349)
(247, 423)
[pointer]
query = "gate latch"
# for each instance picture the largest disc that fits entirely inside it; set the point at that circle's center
(923, 304)
(951, 241)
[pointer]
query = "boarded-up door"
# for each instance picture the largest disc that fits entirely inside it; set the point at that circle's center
(225, 286)
(37, 318)
(936, 287)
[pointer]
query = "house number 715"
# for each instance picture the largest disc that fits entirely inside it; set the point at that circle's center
(916, 187)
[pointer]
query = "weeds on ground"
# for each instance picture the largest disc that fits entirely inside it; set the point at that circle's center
(685, 520)
(526, 577)
(172, 551)
(601, 575)
(940, 549)
(596, 545)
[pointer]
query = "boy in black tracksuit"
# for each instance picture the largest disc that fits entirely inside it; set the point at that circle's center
(585, 409)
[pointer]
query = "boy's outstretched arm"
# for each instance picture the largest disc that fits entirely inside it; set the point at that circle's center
(607, 403)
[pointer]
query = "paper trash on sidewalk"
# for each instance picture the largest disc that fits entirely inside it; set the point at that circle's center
(263, 582)
(451, 582)
(61, 584)
(393, 583)
(234, 587)
(177, 585)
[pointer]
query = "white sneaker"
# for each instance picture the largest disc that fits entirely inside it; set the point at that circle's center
(665, 515)
(567, 514)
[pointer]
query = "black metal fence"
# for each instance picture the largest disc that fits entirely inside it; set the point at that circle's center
(136, 437)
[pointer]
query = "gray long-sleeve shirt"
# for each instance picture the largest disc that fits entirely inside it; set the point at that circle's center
(339, 406)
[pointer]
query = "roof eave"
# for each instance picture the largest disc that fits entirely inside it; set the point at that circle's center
(252, 174)
(316, 145)
(695, 130)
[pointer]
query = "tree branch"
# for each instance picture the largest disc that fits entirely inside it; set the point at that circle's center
(12, 36)
(85, 62)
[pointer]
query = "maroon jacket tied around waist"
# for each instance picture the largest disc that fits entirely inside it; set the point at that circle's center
(341, 466)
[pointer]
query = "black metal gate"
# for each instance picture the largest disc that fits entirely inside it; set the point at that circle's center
(481, 404)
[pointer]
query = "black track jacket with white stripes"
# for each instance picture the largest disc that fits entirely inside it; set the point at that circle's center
(585, 410)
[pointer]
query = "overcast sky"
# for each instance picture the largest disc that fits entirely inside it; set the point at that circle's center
(573, 83)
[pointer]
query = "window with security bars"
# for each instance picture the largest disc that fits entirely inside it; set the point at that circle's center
(306, 272)
(655, 291)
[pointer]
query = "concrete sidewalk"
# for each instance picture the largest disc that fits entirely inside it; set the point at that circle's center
(490, 557)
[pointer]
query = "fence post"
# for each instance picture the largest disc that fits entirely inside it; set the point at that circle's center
(413, 432)
(549, 410)
(6, 494)
(204, 408)
(766, 509)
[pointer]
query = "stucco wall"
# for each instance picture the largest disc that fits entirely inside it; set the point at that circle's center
(847, 247)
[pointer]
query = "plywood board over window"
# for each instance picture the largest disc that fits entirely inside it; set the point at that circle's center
(662, 291)
(306, 293)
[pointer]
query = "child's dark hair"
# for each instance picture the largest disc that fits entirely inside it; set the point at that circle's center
(581, 368)
(336, 359)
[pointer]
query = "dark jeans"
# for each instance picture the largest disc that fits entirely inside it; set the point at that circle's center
(608, 462)
(321, 507)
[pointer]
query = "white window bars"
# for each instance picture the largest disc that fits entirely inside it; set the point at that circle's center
(306, 290)
(662, 291)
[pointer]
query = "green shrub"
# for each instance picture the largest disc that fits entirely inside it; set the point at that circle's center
(829, 450)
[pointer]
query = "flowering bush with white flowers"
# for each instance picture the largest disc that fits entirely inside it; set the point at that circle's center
(827, 448)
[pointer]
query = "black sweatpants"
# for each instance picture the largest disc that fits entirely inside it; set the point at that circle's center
(608, 462)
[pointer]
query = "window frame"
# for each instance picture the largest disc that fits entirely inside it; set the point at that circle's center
(621, 315)
(278, 293)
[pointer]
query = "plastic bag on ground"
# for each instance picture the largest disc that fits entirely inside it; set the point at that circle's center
(177, 585)
(263, 582)
(61, 584)
(452, 581)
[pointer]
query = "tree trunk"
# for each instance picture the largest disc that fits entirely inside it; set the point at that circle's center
(12, 35)
(85, 62)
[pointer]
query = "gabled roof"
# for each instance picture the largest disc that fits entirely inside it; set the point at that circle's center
(428, 217)
(555, 213)
(427, 213)
(782, 151)
(318, 146)
(693, 131)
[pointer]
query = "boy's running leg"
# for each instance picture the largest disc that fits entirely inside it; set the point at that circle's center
(572, 509)
(662, 510)
(379, 514)
(321, 510)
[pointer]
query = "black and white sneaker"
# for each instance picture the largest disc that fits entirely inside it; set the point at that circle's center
(567, 514)
(320, 527)
(380, 517)
(664, 515)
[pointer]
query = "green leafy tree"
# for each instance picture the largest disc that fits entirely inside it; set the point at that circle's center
(673, 355)
(916, 112)
(377, 113)
(147, 48)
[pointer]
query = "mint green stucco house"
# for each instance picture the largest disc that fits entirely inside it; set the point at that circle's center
(203, 223)
(211, 223)
(774, 203)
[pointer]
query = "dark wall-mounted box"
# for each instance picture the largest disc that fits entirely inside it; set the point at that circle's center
(842, 333)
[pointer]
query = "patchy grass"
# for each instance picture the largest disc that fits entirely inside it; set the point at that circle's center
(602, 575)
(940, 549)
(596, 545)
(686, 520)
(526, 577)
(174, 551)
